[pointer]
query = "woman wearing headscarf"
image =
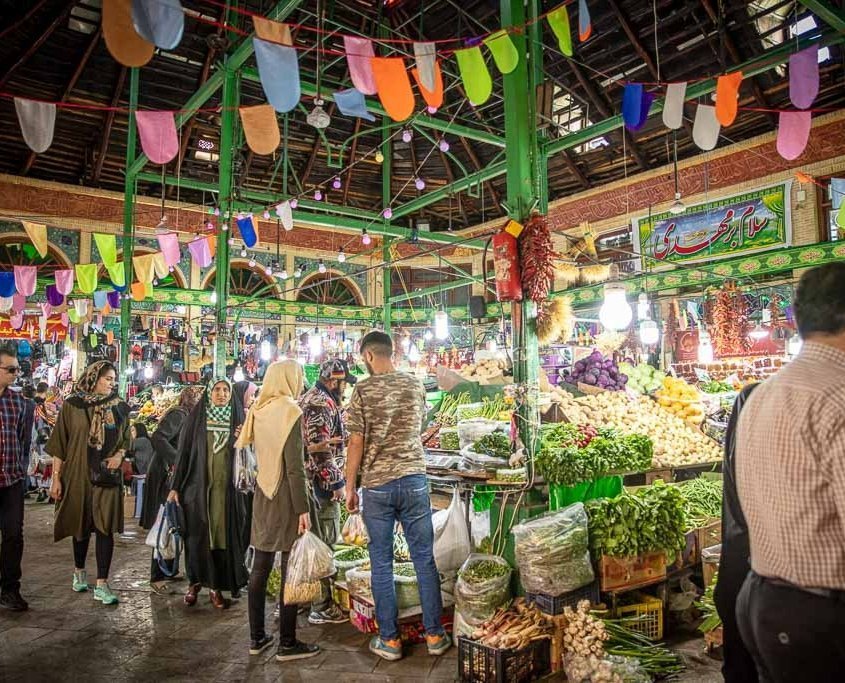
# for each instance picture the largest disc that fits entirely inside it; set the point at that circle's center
(214, 512)
(87, 446)
(165, 441)
(280, 508)
(142, 447)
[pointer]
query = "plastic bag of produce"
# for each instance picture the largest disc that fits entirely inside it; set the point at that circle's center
(359, 581)
(349, 558)
(354, 531)
(471, 430)
(405, 583)
(482, 587)
(449, 440)
(469, 411)
(553, 553)
(310, 560)
(607, 669)
(452, 543)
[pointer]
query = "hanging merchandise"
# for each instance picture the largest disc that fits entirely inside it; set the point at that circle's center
(64, 281)
(200, 251)
(350, 102)
(37, 233)
(793, 133)
(160, 22)
(727, 97)
(37, 121)
(476, 78)
(558, 20)
(144, 267)
(503, 50)
(536, 258)
(26, 279)
(425, 59)
(804, 77)
(506, 267)
(7, 285)
(673, 105)
(261, 128)
(107, 247)
(394, 86)
(705, 128)
(117, 275)
(54, 296)
(278, 69)
(248, 232)
(433, 98)
(169, 244)
(122, 40)
(157, 130)
(585, 25)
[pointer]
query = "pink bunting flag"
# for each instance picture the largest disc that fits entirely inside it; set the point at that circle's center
(64, 281)
(18, 302)
(200, 252)
(65, 319)
(359, 52)
(169, 245)
(16, 321)
(804, 77)
(46, 309)
(157, 130)
(793, 133)
(25, 277)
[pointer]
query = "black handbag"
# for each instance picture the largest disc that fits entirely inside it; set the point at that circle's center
(105, 477)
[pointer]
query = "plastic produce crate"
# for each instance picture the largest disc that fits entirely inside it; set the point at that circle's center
(479, 663)
(645, 616)
(616, 573)
(554, 605)
(341, 596)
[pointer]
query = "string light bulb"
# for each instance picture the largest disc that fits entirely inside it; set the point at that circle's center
(643, 306)
(387, 213)
(293, 203)
(216, 211)
(318, 195)
(379, 157)
(419, 183)
(431, 110)
(252, 263)
(407, 135)
(336, 184)
(269, 271)
(213, 297)
(266, 214)
(231, 241)
(365, 237)
(225, 227)
(341, 256)
(209, 226)
(321, 266)
(443, 145)
(284, 274)
(238, 375)
(243, 253)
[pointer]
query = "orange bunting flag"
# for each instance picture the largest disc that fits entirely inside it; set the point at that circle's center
(727, 97)
(139, 291)
(394, 86)
(261, 128)
(433, 98)
(122, 40)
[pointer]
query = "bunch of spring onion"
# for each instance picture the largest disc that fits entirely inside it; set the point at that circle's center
(655, 659)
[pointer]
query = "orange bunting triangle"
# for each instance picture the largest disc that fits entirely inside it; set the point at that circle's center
(433, 98)
(727, 101)
(261, 128)
(122, 40)
(394, 86)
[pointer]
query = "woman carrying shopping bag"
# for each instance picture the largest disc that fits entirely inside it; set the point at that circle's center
(280, 507)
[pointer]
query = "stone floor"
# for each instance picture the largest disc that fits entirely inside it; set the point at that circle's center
(67, 636)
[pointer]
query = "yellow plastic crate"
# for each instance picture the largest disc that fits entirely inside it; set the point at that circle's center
(341, 596)
(645, 616)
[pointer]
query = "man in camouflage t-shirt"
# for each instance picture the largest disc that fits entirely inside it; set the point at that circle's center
(384, 419)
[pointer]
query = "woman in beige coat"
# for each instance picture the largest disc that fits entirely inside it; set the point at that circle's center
(280, 509)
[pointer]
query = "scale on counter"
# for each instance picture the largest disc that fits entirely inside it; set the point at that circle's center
(442, 460)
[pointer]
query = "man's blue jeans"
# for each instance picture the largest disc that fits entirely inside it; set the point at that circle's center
(404, 500)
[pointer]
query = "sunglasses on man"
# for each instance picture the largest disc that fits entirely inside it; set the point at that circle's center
(11, 369)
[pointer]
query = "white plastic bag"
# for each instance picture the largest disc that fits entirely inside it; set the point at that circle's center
(310, 560)
(452, 543)
(245, 470)
(354, 531)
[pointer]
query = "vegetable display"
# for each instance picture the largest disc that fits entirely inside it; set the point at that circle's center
(569, 454)
(482, 587)
(702, 500)
(484, 370)
(651, 519)
(596, 370)
(643, 378)
(496, 445)
(712, 620)
(514, 627)
(553, 553)
(449, 439)
(716, 387)
(447, 415)
(654, 659)
(682, 399)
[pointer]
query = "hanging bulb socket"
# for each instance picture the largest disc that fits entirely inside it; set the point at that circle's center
(365, 237)
(341, 256)
(321, 266)
(407, 135)
(419, 183)
(379, 157)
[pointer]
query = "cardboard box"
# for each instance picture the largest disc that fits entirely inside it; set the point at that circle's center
(617, 573)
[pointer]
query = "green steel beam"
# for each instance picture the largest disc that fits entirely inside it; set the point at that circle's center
(128, 231)
(830, 15)
(234, 62)
(765, 62)
(434, 289)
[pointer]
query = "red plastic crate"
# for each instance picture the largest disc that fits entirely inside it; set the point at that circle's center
(411, 630)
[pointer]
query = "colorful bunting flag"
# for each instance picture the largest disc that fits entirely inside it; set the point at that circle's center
(139, 291)
(359, 53)
(37, 233)
(285, 214)
(585, 25)
(727, 97)
(16, 321)
(804, 77)
(160, 22)
(144, 266)
(26, 279)
(19, 302)
(169, 245)
(705, 128)
(673, 105)
(272, 31)
(425, 58)
(54, 296)
(7, 285)
(261, 128)
(636, 103)
(433, 98)
(503, 50)
(37, 121)
(86, 277)
(117, 274)
(122, 40)
(793, 133)
(394, 86)
(157, 130)
(162, 270)
(113, 299)
(351, 102)
(558, 20)
(6, 303)
(278, 69)
(474, 74)
(248, 232)
(64, 281)
(107, 248)
(100, 299)
(200, 252)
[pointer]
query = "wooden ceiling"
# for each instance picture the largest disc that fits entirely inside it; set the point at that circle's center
(58, 54)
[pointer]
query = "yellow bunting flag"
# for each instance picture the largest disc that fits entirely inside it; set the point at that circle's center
(107, 246)
(86, 277)
(37, 232)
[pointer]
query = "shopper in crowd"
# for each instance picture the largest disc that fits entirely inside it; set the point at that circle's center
(790, 471)
(385, 419)
(214, 512)
(281, 509)
(142, 447)
(324, 436)
(165, 441)
(737, 663)
(243, 396)
(16, 414)
(88, 444)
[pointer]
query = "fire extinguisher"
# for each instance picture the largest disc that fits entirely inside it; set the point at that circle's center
(506, 266)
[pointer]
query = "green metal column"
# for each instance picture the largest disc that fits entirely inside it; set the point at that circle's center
(523, 181)
(386, 198)
(229, 102)
(128, 230)
(386, 283)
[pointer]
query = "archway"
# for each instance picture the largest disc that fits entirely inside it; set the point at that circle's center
(331, 288)
(17, 250)
(245, 280)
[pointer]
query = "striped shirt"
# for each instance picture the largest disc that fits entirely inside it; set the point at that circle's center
(790, 467)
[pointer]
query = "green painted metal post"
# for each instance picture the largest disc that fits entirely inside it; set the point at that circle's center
(386, 198)
(128, 230)
(229, 102)
(523, 181)
(386, 284)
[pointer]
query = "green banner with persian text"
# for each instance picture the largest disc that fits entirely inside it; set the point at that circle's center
(722, 228)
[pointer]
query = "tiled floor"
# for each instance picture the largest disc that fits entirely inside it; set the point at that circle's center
(67, 636)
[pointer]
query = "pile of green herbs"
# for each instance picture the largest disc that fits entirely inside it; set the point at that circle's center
(702, 500)
(712, 620)
(650, 519)
(655, 659)
(483, 570)
(495, 445)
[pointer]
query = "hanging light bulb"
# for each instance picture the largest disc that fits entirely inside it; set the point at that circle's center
(238, 375)
(649, 333)
(213, 297)
(379, 157)
(321, 266)
(414, 353)
(225, 227)
(315, 343)
(269, 271)
(443, 145)
(615, 313)
(643, 306)
(209, 226)
(252, 263)
(318, 117)
(216, 211)
(243, 253)
(758, 332)
(336, 184)
(407, 135)
(266, 214)
(266, 350)
(428, 335)
(171, 269)
(298, 272)
(240, 215)
(231, 241)
(148, 370)
(293, 203)
(441, 325)
(318, 195)
(705, 347)
(492, 346)
(365, 238)
(419, 183)
(431, 110)
(387, 213)
(677, 207)
(793, 346)
(341, 256)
